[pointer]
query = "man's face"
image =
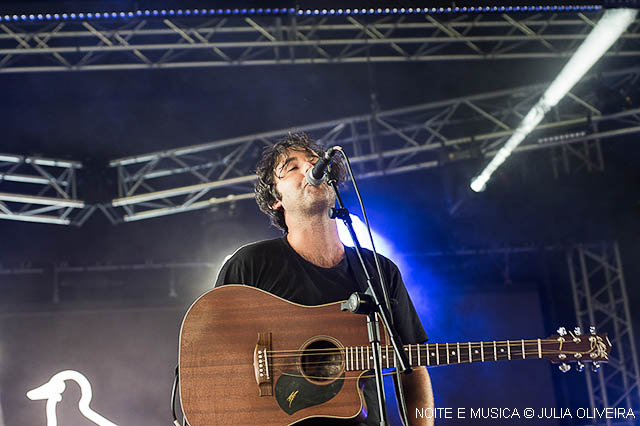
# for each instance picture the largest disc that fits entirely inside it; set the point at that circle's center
(297, 196)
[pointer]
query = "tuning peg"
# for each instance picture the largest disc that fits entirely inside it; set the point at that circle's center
(562, 331)
(564, 367)
(592, 330)
(577, 331)
(580, 367)
(595, 366)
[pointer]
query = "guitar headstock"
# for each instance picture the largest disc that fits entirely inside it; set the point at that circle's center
(567, 346)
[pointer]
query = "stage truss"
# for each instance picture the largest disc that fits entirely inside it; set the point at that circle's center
(39, 185)
(380, 143)
(158, 42)
(600, 298)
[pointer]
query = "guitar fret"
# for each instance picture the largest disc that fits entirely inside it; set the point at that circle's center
(368, 358)
(482, 351)
(458, 349)
(387, 356)
(523, 356)
(447, 349)
(508, 351)
(470, 356)
(410, 362)
(437, 355)
(428, 354)
(495, 351)
(362, 353)
(353, 362)
(346, 358)
(354, 365)
(394, 359)
(539, 349)
(351, 358)
(418, 348)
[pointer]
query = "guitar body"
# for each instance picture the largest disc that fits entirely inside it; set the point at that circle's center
(248, 357)
(220, 359)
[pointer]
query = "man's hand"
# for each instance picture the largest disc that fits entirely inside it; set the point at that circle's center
(418, 395)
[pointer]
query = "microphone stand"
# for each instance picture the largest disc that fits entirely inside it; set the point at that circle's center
(369, 303)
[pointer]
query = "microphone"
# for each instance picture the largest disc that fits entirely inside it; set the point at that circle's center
(315, 175)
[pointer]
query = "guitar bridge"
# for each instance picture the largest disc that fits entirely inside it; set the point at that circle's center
(261, 364)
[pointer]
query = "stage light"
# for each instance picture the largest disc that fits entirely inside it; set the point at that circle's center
(382, 246)
(612, 24)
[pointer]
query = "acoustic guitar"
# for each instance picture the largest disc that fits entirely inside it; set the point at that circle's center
(248, 357)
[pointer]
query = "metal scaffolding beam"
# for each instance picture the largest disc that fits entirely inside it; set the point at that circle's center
(600, 299)
(38, 185)
(183, 42)
(406, 139)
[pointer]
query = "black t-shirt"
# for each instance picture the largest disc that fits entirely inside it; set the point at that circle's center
(274, 266)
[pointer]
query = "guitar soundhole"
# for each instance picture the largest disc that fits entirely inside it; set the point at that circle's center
(321, 361)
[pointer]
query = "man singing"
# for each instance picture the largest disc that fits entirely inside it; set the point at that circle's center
(310, 265)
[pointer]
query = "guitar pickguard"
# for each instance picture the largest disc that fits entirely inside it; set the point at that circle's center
(295, 393)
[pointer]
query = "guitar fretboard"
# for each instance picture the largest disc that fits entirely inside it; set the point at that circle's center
(361, 357)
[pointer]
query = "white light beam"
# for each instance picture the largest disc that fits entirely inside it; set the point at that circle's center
(613, 23)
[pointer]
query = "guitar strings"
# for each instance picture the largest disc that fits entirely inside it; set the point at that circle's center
(296, 363)
(325, 352)
(515, 344)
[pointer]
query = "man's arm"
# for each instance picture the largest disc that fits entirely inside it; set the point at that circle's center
(418, 395)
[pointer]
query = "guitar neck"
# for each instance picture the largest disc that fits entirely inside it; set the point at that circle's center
(360, 357)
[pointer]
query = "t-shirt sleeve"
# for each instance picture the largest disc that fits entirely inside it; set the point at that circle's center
(236, 270)
(405, 317)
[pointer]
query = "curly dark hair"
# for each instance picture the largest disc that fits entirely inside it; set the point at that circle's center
(265, 187)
